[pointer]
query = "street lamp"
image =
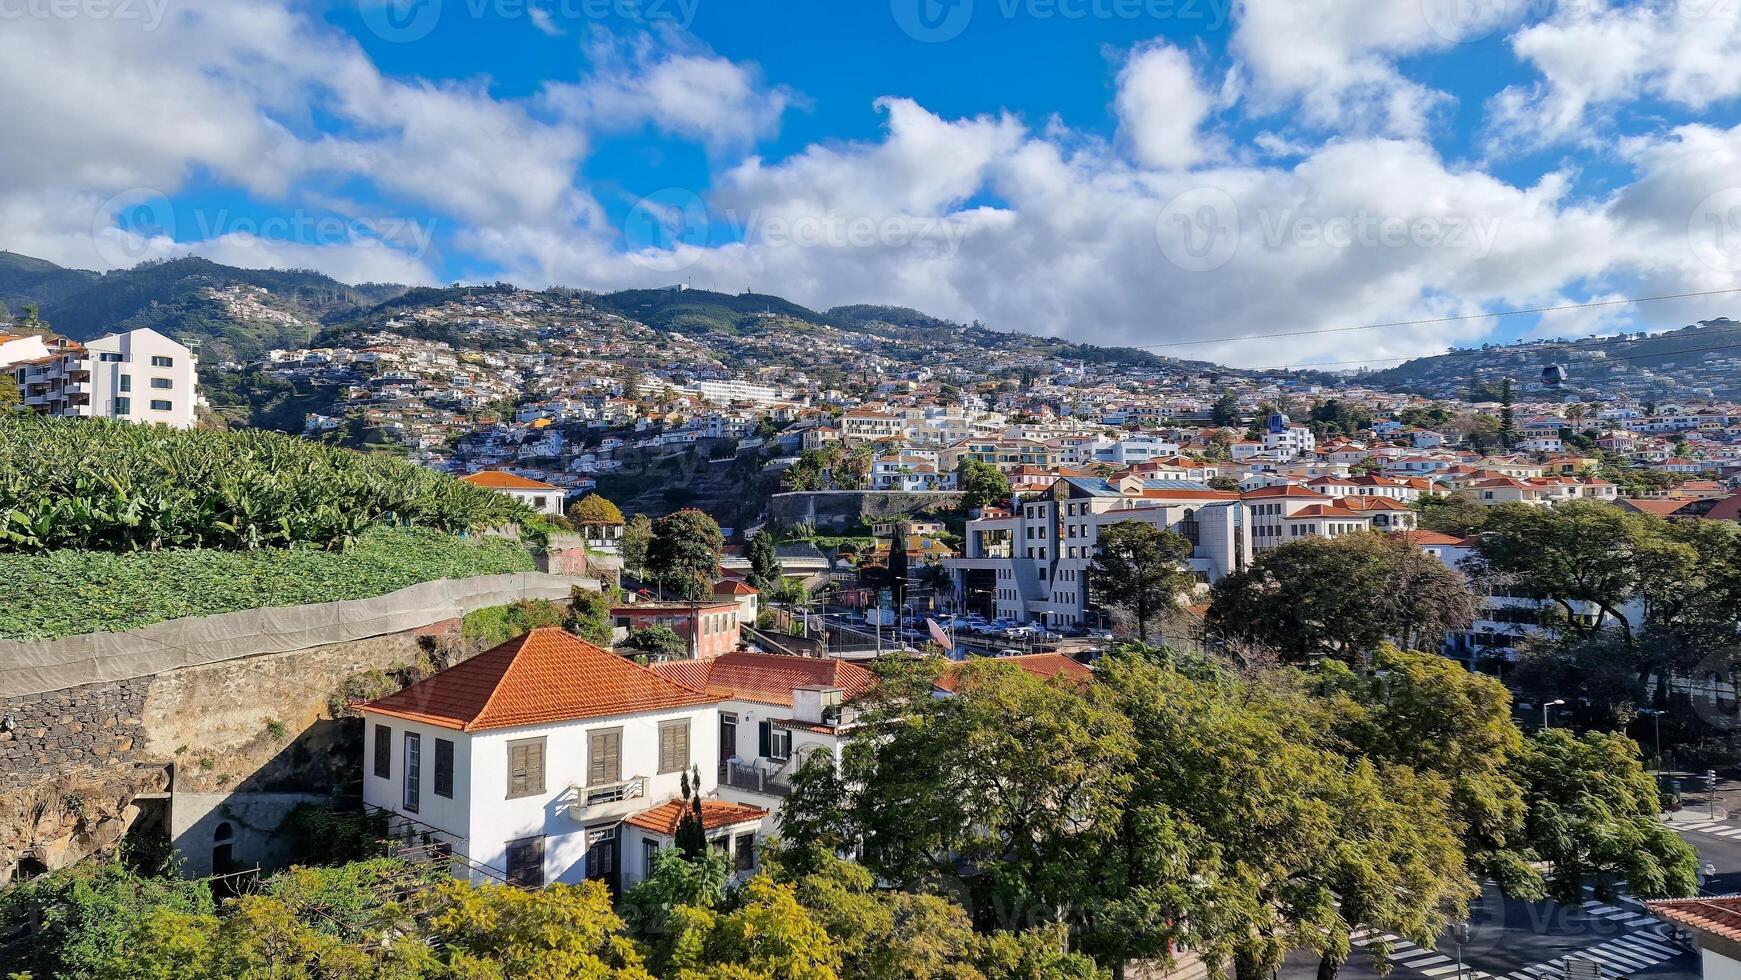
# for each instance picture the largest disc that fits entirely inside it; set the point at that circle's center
(1546, 706)
(1656, 716)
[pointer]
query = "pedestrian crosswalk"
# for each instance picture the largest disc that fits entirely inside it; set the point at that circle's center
(1713, 827)
(1424, 961)
(1643, 946)
(1624, 956)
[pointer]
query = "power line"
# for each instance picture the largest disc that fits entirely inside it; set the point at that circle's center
(1570, 345)
(1498, 314)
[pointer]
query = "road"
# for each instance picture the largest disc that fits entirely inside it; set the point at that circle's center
(1510, 940)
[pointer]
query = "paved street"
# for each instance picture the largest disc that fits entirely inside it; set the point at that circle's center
(1511, 940)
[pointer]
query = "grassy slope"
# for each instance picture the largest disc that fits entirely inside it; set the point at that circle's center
(65, 593)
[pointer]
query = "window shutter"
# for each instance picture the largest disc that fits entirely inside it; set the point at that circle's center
(673, 745)
(766, 733)
(525, 768)
(604, 755)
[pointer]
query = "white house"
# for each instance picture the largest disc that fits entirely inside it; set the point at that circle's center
(776, 710)
(548, 759)
(546, 498)
(137, 376)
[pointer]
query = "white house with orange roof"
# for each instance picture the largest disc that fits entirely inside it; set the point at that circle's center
(774, 711)
(545, 498)
(549, 759)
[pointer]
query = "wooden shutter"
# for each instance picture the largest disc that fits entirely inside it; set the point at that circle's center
(766, 740)
(673, 745)
(525, 767)
(604, 757)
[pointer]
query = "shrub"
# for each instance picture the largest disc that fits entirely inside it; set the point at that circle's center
(66, 593)
(498, 624)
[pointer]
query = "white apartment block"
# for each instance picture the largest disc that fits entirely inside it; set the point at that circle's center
(727, 392)
(1032, 566)
(137, 376)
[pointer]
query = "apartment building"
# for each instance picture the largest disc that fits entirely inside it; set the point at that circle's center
(548, 759)
(1031, 565)
(137, 376)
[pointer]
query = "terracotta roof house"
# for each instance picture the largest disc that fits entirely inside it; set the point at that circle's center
(1715, 923)
(546, 498)
(530, 760)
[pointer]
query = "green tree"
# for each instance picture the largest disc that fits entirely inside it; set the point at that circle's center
(1507, 416)
(808, 473)
(766, 572)
(10, 396)
(87, 917)
(637, 537)
(981, 484)
(658, 641)
(559, 931)
(767, 934)
(1453, 514)
(1140, 569)
(685, 552)
(589, 616)
(1014, 776)
(1341, 597)
(593, 511)
(1427, 714)
(1225, 411)
(1592, 815)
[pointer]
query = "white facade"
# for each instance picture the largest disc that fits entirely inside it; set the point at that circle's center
(137, 376)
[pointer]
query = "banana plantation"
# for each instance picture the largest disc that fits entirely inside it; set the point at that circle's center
(98, 485)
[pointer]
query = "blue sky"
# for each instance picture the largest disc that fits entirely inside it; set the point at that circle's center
(1115, 171)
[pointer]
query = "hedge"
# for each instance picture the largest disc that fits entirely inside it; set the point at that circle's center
(65, 593)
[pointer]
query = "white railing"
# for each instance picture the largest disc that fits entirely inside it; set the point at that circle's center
(627, 789)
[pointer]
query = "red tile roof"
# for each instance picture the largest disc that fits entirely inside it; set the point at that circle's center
(767, 678)
(1283, 491)
(1432, 538)
(502, 480)
(715, 814)
(543, 677)
(1046, 665)
(1717, 916)
(734, 587)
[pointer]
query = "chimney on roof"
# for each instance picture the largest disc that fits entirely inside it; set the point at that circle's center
(813, 701)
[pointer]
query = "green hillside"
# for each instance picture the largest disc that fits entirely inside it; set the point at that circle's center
(167, 296)
(701, 311)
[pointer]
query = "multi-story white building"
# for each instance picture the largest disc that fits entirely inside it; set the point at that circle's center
(1032, 565)
(137, 376)
(549, 759)
(728, 392)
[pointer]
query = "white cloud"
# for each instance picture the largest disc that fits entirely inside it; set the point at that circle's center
(545, 23)
(1161, 106)
(1336, 59)
(1594, 56)
(683, 91)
